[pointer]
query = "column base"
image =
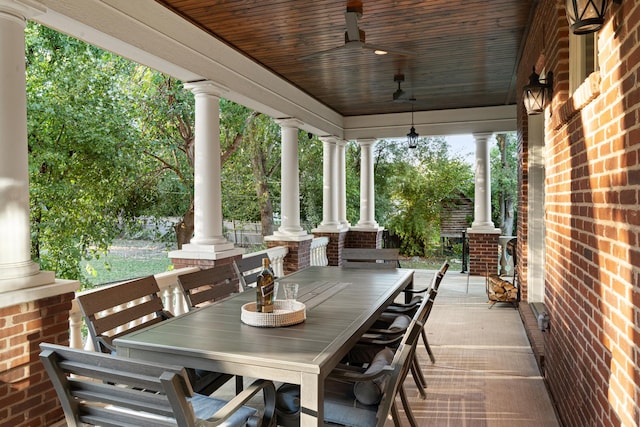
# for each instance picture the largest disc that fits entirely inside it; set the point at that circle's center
(294, 236)
(41, 278)
(204, 256)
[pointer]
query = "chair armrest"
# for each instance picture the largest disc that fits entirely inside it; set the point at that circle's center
(105, 344)
(269, 391)
(352, 376)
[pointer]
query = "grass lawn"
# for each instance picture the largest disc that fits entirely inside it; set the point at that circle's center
(128, 259)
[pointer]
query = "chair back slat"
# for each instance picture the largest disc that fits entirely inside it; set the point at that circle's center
(124, 316)
(209, 285)
(113, 296)
(99, 389)
(115, 310)
(387, 258)
(249, 267)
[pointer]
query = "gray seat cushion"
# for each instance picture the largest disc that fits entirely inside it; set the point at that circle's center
(205, 407)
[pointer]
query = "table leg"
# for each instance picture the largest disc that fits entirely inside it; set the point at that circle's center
(311, 401)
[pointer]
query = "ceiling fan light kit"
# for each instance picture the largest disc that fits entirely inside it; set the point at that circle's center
(354, 37)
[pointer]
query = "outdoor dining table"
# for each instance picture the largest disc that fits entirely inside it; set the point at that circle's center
(341, 304)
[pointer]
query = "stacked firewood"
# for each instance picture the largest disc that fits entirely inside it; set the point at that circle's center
(500, 290)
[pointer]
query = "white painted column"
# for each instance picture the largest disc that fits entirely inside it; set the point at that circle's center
(208, 240)
(341, 184)
(329, 185)
(17, 270)
(367, 190)
(482, 206)
(290, 181)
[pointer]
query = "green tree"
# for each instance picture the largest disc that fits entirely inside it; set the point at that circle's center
(504, 181)
(413, 185)
(81, 158)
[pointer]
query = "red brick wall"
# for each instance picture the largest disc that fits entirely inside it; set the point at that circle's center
(483, 253)
(592, 220)
(27, 398)
(364, 239)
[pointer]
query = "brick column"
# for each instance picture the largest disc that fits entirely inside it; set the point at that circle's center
(299, 255)
(26, 394)
(337, 241)
(364, 238)
(483, 252)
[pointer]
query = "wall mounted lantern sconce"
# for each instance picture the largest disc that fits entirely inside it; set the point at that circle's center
(412, 136)
(537, 94)
(586, 16)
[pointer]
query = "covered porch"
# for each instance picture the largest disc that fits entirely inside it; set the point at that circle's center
(578, 185)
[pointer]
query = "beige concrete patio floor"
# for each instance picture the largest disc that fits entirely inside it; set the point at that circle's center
(485, 372)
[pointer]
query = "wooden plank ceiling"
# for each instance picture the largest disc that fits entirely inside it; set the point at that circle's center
(464, 52)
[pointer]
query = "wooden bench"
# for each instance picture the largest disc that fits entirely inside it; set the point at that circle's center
(370, 258)
(101, 389)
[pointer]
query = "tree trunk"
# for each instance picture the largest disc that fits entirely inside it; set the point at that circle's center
(184, 229)
(262, 191)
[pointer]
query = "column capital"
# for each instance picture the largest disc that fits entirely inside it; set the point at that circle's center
(206, 87)
(289, 122)
(366, 141)
(332, 139)
(21, 9)
(482, 135)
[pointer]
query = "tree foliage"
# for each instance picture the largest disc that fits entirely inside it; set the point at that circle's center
(81, 160)
(410, 189)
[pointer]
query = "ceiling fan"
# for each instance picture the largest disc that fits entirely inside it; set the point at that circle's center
(354, 37)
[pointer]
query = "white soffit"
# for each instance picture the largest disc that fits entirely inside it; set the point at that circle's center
(427, 123)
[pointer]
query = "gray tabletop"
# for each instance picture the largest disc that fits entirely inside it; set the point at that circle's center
(341, 305)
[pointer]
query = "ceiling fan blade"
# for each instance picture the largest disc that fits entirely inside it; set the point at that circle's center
(391, 51)
(320, 53)
(353, 32)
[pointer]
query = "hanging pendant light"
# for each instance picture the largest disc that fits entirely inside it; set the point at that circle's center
(412, 136)
(536, 94)
(585, 16)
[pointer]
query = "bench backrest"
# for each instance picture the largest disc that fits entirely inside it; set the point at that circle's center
(209, 285)
(112, 311)
(249, 267)
(386, 258)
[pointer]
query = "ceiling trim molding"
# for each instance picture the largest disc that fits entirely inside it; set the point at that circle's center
(433, 123)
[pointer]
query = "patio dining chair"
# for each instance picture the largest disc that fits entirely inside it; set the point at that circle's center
(360, 397)
(248, 268)
(412, 307)
(205, 286)
(113, 311)
(99, 389)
